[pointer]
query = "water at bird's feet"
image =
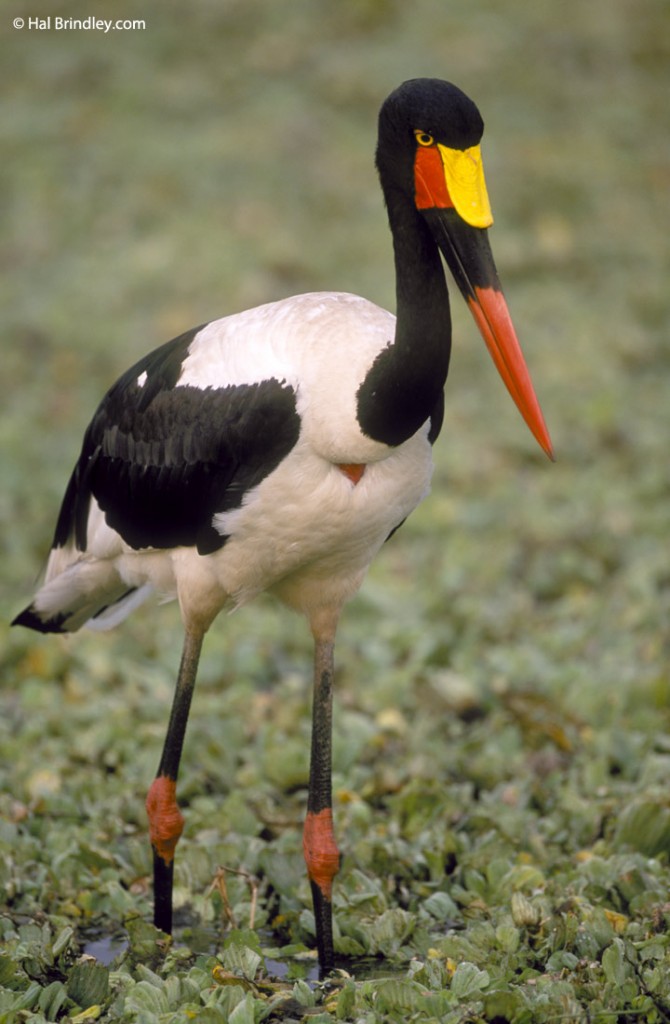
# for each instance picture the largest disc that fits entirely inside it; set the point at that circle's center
(107, 947)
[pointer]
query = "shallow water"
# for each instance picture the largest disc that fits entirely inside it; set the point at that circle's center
(106, 948)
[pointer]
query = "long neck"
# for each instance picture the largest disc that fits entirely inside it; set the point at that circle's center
(404, 385)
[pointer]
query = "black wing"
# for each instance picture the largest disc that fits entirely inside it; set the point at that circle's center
(162, 459)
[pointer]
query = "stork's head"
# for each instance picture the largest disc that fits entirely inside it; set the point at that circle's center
(428, 151)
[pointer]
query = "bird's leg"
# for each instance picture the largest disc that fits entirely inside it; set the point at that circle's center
(321, 853)
(165, 819)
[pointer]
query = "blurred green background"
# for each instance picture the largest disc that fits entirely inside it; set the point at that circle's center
(503, 692)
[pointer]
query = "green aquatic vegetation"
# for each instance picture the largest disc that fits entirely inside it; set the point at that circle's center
(501, 750)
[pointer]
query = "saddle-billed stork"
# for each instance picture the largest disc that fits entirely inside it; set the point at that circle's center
(277, 449)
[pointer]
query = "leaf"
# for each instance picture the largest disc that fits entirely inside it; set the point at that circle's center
(398, 994)
(145, 997)
(62, 941)
(645, 826)
(146, 943)
(617, 921)
(89, 1014)
(224, 999)
(508, 936)
(389, 931)
(615, 965)
(303, 994)
(505, 1006)
(146, 974)
(469, 981)
(561, 960)
(8, 971)
(524, 913)
(441, 906)
(52, 998)
(88, 983)
(243, 937)
(244, 1012)
(346, 1001)
(240, 959)
(208, 1015)
(29, 998)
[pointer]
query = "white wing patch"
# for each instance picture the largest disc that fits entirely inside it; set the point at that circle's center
(321, 344)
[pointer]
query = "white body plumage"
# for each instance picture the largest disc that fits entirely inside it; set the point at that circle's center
(307, 531)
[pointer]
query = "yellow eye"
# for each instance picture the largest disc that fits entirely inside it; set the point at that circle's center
(423, 138)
